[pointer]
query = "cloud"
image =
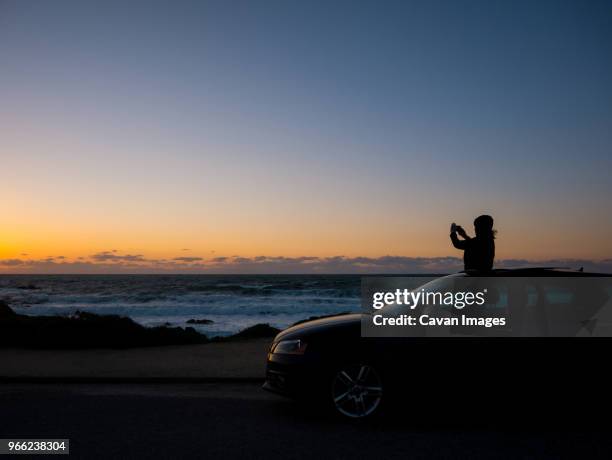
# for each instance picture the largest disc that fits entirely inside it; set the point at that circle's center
(11, 262)
(109, 262)
(188, 259)
(111, 256)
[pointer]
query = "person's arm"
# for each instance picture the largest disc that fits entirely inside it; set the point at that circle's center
(459, 244)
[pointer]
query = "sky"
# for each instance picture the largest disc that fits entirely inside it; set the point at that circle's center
(195, 136)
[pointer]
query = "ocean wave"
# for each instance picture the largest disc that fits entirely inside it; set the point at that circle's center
(232, 302)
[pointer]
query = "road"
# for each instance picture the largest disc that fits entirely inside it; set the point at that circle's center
(238, 420)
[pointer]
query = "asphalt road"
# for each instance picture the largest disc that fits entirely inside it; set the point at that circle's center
(239, 420)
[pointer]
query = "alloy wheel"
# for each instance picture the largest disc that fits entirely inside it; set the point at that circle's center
(357, 390)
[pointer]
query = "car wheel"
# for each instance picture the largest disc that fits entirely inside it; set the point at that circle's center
(357, 390)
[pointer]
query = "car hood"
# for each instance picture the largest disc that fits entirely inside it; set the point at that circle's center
(319, 325)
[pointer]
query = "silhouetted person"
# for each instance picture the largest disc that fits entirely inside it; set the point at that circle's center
(478, 252)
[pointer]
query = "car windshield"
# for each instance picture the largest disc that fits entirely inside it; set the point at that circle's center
(443, 284)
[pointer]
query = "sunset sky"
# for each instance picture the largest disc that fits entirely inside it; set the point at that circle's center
(183, 133)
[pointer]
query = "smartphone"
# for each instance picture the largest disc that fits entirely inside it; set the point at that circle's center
(453, 227)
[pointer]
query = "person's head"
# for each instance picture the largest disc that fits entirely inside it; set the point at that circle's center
(483, 225)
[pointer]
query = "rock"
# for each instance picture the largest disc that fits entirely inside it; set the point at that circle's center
(257, 331)
(312, 318)
(29, 286)
(87, 330)
(200, 321)
(6, 311)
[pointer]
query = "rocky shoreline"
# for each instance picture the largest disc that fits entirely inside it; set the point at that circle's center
(88, 330)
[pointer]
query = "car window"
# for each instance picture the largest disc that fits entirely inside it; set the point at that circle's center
(561, 307)
(557, 295)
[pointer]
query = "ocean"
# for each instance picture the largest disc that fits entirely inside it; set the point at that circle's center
(231, 302)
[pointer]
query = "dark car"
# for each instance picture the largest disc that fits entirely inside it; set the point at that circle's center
(329, 362)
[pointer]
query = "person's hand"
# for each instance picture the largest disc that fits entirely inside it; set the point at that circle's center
(459, 229)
